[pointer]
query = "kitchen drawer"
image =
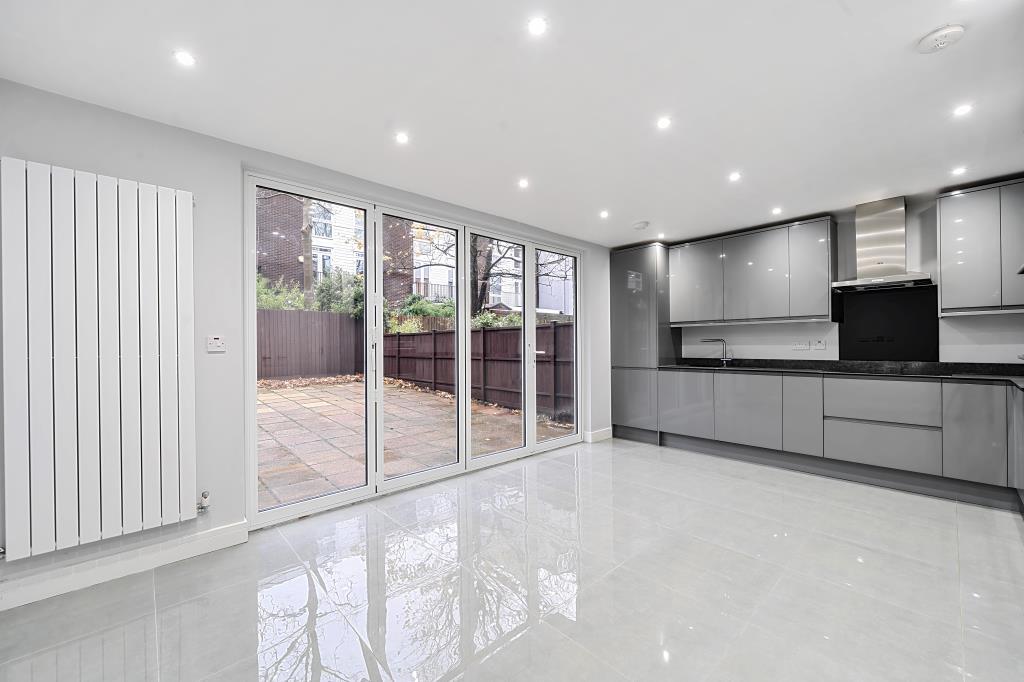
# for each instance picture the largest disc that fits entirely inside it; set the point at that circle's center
(903, 401)
(896, 446)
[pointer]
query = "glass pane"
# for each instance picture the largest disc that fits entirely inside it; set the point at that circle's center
(556, 345)
(311, 397)
(420, 344)
(496, 345)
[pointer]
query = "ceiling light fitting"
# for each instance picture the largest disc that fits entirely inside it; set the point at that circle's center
(940, 38)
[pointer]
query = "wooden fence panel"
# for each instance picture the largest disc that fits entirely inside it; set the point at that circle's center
(304, 343)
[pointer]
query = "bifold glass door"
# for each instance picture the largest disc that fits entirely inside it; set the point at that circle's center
(419, 403)
(311, 392)
(497, 340)
(391, 349)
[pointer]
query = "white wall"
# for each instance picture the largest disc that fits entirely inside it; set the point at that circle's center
(771, 341)
(40, 126)
(976, 338)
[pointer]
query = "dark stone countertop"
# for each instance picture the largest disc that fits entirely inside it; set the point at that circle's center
(956, 370)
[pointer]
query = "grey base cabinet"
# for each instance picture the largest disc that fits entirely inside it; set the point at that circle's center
(974, 435)
(802, 409)
(896, 446)
(748, 408)
(686, 403)
(635, 398)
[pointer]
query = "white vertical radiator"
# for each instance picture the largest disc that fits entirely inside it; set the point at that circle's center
(98, 366)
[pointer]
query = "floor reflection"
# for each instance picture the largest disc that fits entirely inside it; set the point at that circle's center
(595, 562)
(420, 585)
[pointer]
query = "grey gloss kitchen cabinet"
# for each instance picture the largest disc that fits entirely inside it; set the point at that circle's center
(635, 398)
(1011, 230)
(686, 402)
(802, 410)
(695, 282)
(969, 245)
(756, 269)
(634, 305)
(810, 274)
(974, 436)
(748, 408)
(895, 446)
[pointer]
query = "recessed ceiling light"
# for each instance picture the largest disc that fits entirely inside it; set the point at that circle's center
(603, 214)
(537, 26)
(664, 122)
(963, 110)
(777, 210)
(735, 176)
(524, 183)
(402, 137)
(661, 235)
(185, 58)
(959, 170)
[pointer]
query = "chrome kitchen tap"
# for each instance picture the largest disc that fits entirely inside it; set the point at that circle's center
(725, 358)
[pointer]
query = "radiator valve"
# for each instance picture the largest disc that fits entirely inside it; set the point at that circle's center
(204, 502)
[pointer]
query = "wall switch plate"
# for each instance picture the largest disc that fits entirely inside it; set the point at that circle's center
(216, 344)
(819, 344)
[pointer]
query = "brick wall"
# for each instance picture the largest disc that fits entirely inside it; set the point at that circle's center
(278, 257)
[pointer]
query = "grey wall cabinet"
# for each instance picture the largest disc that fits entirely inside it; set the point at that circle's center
(634, 305)
(810, 273)
(695, 282)
(756, 269)
(686, 403)
(802, 409)
(1011, 230)
(969, 244)
(974, 436)
(635, 398)
(748, 408)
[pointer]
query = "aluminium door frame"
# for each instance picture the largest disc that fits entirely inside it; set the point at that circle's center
(256, 517)
(373, 350)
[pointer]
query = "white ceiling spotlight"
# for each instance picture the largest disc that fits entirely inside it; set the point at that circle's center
(959, 170)
(661, 235)
(184, 58)
(963, 110)
(524, 183)
(735, 176)
(940, 38)
(603, 214)
(777, 210)
(402, 137)
(663, 123)
(538, 26)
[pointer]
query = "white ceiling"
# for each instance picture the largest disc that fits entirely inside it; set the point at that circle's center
(821, 104)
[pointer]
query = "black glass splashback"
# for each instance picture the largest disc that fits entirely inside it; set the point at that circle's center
(889, 324)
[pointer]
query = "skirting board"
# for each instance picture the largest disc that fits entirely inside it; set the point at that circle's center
(909, 481)
(597, 436)
(39, 585)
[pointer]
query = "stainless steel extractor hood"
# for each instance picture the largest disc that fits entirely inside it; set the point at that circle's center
(881, 233)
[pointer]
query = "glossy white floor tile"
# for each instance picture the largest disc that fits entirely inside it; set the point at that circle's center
(611, 561)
